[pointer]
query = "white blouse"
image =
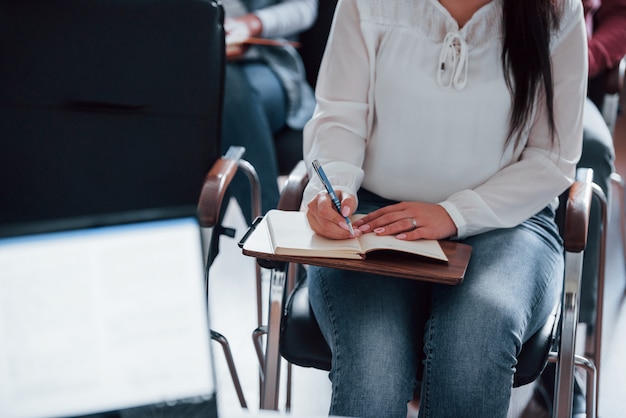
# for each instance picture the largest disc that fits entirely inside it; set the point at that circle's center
(414, 108)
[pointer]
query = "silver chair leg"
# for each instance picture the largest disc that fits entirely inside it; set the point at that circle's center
(281, 283)
(257, 341)
(292, 274)
(270, 367)
(255, 199)
(271, 381)
(288, 389)
(563, 397)
(591, 383)
(593, 340)
(617, 180)
(257, 337)
(216, 336)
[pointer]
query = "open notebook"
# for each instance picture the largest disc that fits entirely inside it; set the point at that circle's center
(106, 318)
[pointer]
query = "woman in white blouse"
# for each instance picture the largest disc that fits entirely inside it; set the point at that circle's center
(444, 119)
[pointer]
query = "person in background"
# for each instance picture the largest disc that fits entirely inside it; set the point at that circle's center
(265, 87)
(606, 31)
(399, 133)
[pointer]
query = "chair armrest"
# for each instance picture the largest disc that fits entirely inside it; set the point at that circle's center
(291, 194)
(577, 212)
(614, 83)
(215, 185)
(576, 223)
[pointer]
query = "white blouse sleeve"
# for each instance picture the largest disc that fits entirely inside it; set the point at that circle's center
(544, 169)
(337, 133)
(287, 18)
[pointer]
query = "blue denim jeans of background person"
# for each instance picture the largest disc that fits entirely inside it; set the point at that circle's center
(375, 326)
(254, 109)
(598, 153)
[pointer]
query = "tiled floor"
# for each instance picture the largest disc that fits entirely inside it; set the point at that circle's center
(233, 313)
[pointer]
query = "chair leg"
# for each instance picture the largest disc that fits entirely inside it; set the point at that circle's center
(257, 341)
(257, 336)
(288, 389)
(292, 273)
(259, 293)
(563, 396)
(617, 180)
(255, 199)
(271, 381)
(593, 343)
(282, 281)
(216, 336)
(591, 396)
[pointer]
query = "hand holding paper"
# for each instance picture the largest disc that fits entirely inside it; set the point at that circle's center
(236, 34)
(239, 35)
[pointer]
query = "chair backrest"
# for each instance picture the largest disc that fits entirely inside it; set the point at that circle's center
(107, 105)
(313, 40)
(288, 142)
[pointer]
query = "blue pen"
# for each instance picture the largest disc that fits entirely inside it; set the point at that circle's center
(331, 191)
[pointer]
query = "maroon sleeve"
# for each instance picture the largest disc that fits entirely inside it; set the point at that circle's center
(608, 43)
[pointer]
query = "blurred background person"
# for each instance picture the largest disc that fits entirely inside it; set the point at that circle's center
(265, 90)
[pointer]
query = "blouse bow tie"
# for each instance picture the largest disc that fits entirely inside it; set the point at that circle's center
(453, 62)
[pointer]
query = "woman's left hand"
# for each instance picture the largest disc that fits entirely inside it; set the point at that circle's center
(409, 221)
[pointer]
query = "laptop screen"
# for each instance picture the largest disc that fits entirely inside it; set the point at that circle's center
(107, 318)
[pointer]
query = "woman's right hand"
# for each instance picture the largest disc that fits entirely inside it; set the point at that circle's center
(238, 30)
(324, 218)
(236, 34)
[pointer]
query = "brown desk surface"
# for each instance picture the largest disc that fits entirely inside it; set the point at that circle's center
(381, 262)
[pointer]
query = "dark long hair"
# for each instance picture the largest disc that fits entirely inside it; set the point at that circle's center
(526, 58)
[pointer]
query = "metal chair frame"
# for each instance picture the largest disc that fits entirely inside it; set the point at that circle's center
(562, 352)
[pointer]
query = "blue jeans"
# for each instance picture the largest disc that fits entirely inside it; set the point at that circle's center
(598, 153)
(254, 109)
(375, 328)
